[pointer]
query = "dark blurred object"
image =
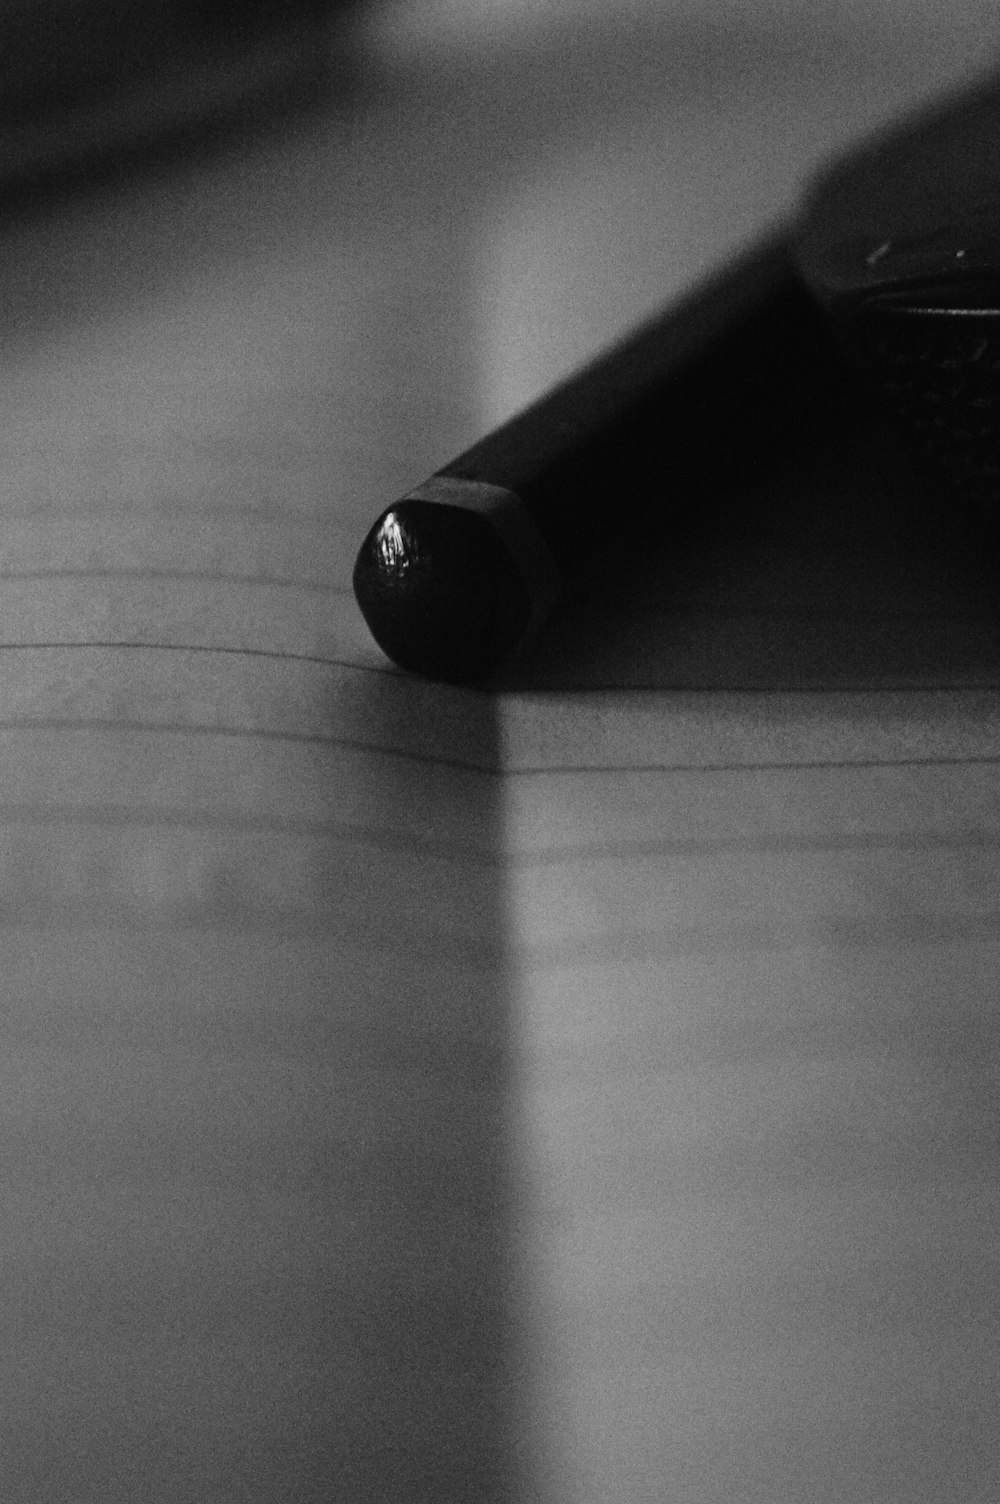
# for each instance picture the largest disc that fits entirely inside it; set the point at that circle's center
(79, 78)
(900, 242)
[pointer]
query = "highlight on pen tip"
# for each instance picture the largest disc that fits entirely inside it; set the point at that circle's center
(390, 542)
(439, 592)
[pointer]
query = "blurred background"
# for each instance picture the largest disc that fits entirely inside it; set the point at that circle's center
(608, 150)
(81, 77)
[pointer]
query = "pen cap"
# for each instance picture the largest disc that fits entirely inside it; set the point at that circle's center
(900, 242)
(438, 590)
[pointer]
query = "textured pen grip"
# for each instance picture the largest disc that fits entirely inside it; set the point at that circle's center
(938, 369)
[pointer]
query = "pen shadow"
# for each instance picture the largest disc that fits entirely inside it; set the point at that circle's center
(838, 565)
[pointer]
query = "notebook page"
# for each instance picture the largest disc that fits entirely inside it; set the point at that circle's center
(255, 1057)
(273, 1128)
(755, 902)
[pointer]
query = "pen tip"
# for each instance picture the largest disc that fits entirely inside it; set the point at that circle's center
(439, 592)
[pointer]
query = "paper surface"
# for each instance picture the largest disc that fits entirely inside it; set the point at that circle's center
(581, 1091)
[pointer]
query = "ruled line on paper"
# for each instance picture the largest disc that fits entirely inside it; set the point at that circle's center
(386, 668)
(427, 948)
(897, 681)
(298, 785)
(732, 729)
(149, 817)
(181, 874)
(654, 1000)
(238, 691)
(53, 519)
(251, 734)
(199, 510)
(203, 575)
(825, 898)
(648, 891)
(184, 542)
(921, 930)
(90, 772)
(739, 661)
(569, 770)
(221, 650)
(486, 768)
(764, 845)
(247, 695)
(124, 612)
(774, 818)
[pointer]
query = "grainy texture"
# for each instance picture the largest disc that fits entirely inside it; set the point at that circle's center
(412, 1094)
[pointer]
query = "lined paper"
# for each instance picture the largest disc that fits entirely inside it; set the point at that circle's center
(255, 1069)
(758, 1007)
(755, 895)
(580, 1089)
(757, 934)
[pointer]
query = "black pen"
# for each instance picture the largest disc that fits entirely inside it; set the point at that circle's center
(459, 574)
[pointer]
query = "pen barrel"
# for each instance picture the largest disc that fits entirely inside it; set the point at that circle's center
(670, 427)
(899, 242)
(693, 402)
